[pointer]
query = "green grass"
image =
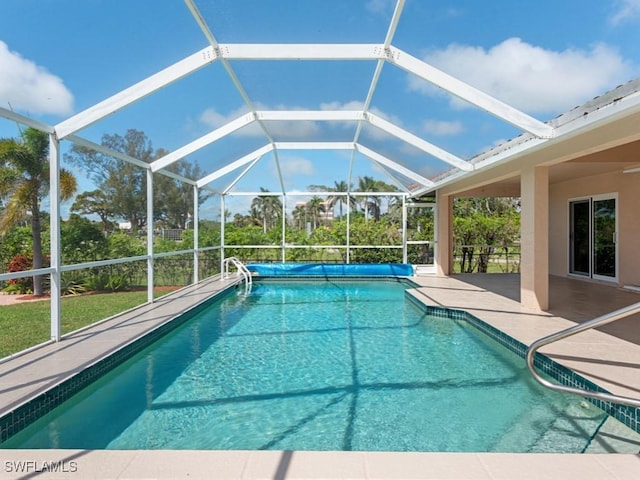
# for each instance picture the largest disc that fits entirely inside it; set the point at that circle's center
(28, 324)
(492, 267)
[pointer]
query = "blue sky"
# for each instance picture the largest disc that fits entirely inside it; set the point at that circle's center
(59, 57)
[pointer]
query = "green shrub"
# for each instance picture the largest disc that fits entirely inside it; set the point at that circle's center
(72, 284)
(117, 283)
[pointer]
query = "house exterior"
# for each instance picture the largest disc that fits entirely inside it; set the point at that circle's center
(580, 195)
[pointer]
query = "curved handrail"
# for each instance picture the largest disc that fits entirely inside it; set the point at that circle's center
(596, 322)
(242, 270)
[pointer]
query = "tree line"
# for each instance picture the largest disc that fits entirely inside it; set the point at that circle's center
(121, 194)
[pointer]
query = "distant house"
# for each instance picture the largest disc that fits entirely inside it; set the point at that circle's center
(324, 216)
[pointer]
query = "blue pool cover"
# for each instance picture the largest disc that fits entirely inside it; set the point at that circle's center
(331, 269)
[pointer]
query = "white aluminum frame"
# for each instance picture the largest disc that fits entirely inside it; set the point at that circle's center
(536, 135)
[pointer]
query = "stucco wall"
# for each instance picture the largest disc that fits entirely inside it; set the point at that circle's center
(627, 186)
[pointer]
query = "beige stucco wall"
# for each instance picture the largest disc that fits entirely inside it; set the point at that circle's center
(627, 186)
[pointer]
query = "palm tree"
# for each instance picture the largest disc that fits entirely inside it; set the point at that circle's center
(385, 187)
(366, 185)
(269, 207)
(341, 187)
(299, 215)
(24, 171)
(315, 207)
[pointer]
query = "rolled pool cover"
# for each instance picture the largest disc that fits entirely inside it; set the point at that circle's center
(331, 269)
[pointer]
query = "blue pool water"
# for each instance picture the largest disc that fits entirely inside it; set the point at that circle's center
(319, 365)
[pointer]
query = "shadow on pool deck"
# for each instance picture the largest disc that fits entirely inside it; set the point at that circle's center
(574, 299)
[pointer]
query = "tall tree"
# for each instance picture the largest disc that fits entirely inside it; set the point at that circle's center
(480, 225)
(24, 171)
(173, 199)
(368, 185)
(299, 216)
(315, 208)
(125, 184)
(268, 207)
(382, 186)
(122, 182)
(97, 203)
(340, 187)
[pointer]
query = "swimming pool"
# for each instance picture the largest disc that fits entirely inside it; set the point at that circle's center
(321, 365)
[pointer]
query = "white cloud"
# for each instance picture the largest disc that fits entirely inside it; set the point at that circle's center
(442, 128)
(215, 119)
(380, 6)
(625, 11)
(292, 166)
(352, 105)
(528, 77)
(288, 130)
(29, 87)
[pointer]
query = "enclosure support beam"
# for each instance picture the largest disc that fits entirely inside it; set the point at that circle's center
(310, 115)
(300, 51)
(202, 142)
(235, 165)
(349, 221)
(150, 272)
(54, 222)
(470, 94)
(379, 64)
(21, 119)
(196, 229)
(404, 229)
(376, 157)
(222, 207)
(419, 143)
(283, 242)
(107, 151)
(136, 92)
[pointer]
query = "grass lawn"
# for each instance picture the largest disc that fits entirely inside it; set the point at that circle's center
(28, 324)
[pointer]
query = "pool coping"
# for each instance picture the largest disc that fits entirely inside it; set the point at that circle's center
(172, 464)
(278, 464)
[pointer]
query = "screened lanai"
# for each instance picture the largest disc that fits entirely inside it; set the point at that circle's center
(337, 104)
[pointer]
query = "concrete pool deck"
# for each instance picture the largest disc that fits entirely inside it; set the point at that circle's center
(609, 360)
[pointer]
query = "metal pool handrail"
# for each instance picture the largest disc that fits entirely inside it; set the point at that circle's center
(596, 322)
(242, 270)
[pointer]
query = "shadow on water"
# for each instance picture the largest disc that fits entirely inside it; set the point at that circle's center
(104, 409)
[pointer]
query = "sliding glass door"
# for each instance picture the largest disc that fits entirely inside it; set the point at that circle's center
(592, 237)
(579, 237)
